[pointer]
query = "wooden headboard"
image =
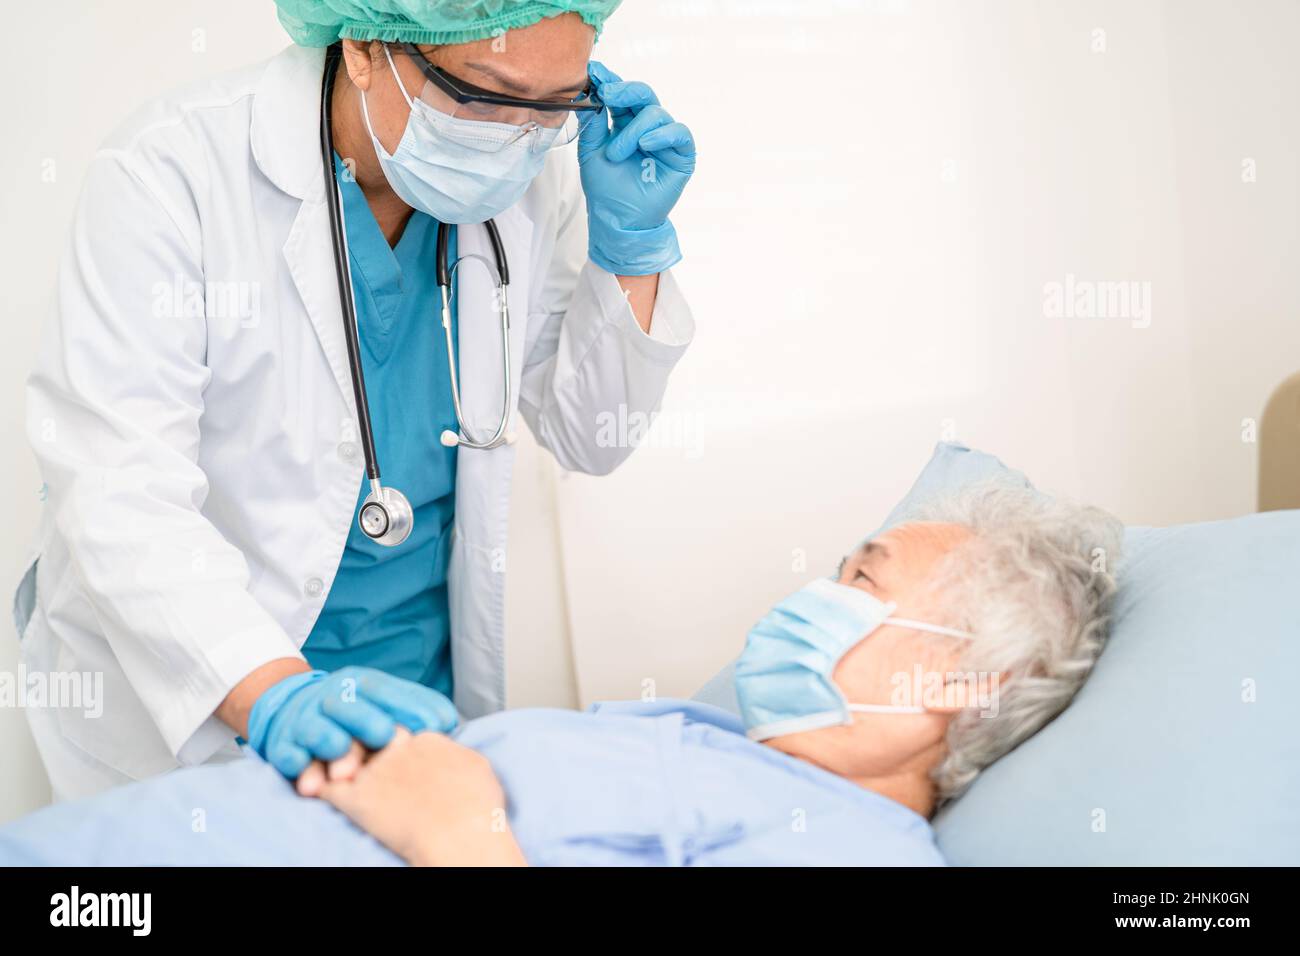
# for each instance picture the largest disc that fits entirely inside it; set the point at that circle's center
(1279, 448)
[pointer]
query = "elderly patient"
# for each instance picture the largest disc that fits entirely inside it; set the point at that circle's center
(865, 702)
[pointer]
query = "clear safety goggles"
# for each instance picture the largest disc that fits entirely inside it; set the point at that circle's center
(539, 124)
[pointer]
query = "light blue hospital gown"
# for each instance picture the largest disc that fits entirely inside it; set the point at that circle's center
(663, 783)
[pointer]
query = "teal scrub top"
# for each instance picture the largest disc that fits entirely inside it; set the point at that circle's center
(388, 608)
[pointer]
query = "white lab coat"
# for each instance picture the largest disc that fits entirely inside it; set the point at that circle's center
(193, 417)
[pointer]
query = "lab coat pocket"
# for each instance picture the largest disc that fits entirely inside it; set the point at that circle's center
(87, 685)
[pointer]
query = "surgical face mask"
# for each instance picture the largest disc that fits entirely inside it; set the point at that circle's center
(783, 676)
(456, 170)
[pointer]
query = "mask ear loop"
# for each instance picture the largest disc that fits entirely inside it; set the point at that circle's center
(365, 109)
(885, 709)
(916, 626)
(931, 628)
(398, 77)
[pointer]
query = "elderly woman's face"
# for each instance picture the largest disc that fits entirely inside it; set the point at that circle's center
(898, 566)
(545, 61)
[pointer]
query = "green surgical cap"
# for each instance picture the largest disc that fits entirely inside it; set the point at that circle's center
(321, 22)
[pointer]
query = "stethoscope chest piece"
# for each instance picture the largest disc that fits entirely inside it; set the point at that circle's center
(386, 516)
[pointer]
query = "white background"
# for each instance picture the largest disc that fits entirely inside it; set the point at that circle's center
(884, 190)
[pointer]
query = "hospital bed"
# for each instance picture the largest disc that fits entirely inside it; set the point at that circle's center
(1279, 448)
(1180, 748)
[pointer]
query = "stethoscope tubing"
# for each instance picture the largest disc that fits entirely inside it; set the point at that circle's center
(342, 268)
(450, 438)
(386, 515)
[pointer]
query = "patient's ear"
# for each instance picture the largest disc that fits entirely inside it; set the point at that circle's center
(967, 690)
(957, 695)
(949, 689)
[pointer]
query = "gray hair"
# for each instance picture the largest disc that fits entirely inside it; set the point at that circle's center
(1034, 584)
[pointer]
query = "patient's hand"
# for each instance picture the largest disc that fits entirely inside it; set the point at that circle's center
(430, 800)
(345, 768)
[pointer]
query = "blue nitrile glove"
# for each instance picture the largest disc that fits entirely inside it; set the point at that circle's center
(633, 175)
(316, 715)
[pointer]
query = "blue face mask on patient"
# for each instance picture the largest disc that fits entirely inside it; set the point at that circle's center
(783, 676)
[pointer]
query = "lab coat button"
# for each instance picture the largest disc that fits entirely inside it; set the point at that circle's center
(348, 450)
(314, 587)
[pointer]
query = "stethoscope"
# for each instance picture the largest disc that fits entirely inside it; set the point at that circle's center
(386, 516)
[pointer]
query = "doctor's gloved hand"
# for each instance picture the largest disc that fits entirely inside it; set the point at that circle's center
(317, 715)
(635, 160)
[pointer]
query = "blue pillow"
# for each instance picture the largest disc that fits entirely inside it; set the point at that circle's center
(952, 466)
(1182, 747)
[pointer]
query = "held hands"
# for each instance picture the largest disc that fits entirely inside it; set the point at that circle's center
(317, 716)
(425, 797)
(635, 160)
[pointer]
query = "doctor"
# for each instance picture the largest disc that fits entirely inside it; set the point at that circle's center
(195, 404)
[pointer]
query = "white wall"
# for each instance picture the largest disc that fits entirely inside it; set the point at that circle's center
(884, 188)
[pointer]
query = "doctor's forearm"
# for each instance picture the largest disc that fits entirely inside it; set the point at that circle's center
(234, 710)
(641, 292)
